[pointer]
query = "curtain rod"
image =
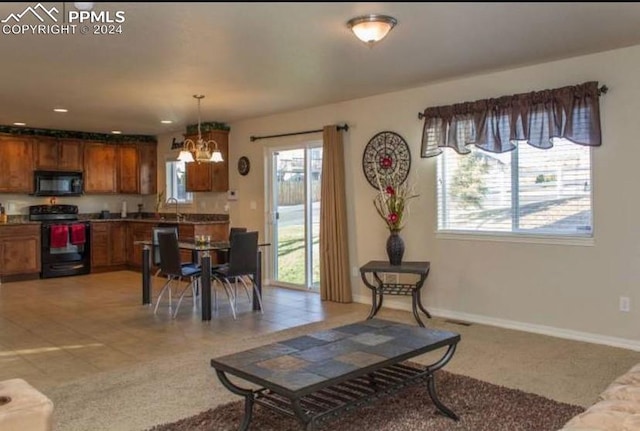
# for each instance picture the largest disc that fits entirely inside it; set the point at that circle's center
(255, 138)
(602, 90)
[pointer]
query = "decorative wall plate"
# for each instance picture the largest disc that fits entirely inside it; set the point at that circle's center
(386, 155)
(243, 165)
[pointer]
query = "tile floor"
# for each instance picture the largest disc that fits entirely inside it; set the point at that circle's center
(55, 330)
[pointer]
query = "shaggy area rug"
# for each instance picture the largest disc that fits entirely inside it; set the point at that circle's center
(481, 406)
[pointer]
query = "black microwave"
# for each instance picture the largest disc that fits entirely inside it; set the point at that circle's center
(57, 183)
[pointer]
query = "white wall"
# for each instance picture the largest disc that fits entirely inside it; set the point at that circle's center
(574, 289)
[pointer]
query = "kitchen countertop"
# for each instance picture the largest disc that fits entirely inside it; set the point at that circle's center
(158, 221)
(19, 222)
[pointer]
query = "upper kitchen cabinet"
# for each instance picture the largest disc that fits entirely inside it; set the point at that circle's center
(100, 168)
(16, 164)
(209, 176)
(128, 169)
(58, 154)
(138, 168)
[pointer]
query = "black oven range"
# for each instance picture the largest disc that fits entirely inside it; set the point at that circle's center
(65, 240)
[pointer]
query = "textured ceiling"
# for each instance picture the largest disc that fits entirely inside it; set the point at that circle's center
(252, 59)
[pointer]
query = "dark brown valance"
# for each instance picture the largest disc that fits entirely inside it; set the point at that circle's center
(498, 125)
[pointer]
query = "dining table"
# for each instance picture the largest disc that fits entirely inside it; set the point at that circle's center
(201, 252)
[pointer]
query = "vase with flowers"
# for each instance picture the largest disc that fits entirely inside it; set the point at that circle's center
(391, 202)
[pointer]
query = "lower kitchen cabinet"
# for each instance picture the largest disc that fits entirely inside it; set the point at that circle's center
(108, 245)
(19, 250)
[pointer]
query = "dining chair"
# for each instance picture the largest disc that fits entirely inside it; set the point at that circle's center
(243, 262)
(222, 256)
(156, 249)
(172, 267)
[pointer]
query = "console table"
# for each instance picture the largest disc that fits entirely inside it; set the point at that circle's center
(317, 376)
(379, 287)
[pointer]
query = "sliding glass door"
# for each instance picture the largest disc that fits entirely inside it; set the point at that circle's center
(295, 215)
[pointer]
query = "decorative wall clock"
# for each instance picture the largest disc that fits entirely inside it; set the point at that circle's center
(386, 155)
(243, 165)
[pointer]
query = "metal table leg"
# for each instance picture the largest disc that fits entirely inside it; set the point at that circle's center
(206, 286)
(146, 275)
(258, 280)
(246, 393)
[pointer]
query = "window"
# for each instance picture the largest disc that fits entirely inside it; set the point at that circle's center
(526, 190)
(176, 182)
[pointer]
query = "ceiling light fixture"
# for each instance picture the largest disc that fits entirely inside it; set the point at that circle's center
(83, 5)
(116, 132)
(200, 150)
(166, 121)
(60, 110)
(371, 28)
(19, 124)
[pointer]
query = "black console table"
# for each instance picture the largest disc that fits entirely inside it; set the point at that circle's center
(379, 287)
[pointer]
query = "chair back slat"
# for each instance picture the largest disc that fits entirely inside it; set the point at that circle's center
(243, 253)
(170, 262)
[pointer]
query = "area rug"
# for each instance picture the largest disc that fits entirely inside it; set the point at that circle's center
(481, 406)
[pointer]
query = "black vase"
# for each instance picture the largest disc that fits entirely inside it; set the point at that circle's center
(395, 248)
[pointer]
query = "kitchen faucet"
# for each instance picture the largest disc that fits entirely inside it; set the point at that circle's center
(170, 200)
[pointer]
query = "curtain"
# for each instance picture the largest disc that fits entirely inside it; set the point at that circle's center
(498, 125)
(335, 282)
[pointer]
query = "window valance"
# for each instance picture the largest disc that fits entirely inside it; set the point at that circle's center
(498, 125)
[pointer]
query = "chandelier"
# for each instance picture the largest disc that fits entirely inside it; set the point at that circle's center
(200, 150)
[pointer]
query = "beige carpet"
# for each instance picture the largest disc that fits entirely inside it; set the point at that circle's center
(175, 387)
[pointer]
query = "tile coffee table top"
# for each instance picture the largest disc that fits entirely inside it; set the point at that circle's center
(301, 365)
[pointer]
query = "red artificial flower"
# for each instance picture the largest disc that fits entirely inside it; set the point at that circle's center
(386, 162)
(393, 218)
(390, 190)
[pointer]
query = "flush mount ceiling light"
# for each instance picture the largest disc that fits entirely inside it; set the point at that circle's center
(371, 28)
(83, 5)
(200, 150)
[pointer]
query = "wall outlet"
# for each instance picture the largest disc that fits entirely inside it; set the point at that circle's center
(625, 304)
(355, 271)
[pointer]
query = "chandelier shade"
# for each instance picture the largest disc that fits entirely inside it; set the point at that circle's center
(371, 28)
(200, 150)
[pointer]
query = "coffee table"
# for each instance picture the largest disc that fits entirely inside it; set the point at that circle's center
(316, 377)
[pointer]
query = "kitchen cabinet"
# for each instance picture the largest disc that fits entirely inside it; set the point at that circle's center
(16, 164)
(59, 154)
(100, 168)
(137, 231)
(148, 168)
(118, 243)
(108, 245)
(209, 176)
(137, 168)
(19, 249)
(128, 169)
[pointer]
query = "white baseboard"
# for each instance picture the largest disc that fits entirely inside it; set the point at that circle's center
(513, 324)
